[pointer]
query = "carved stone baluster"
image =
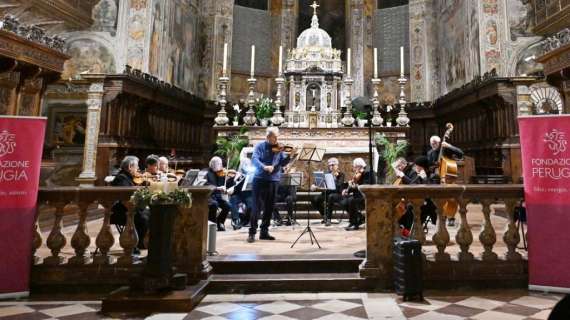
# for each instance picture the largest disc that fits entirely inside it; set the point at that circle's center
(417, 228)
(441, 236)
(81, 240)
(56, 240)
(511, 236)
(105, 239)
(464, 236)
(128, 238)
(37, 241)
(488, 236)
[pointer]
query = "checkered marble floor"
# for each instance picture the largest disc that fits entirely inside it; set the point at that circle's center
(504, 305)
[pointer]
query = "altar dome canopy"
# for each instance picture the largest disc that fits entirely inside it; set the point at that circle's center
(314, 50)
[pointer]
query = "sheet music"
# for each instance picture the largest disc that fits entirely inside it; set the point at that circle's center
(329, 181)
(319, 178)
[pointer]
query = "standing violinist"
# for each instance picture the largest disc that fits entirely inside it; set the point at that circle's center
(353, 200)
(216, 177)
(269, 159)
(332, 196)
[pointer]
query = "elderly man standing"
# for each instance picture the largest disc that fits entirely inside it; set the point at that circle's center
(269, 161)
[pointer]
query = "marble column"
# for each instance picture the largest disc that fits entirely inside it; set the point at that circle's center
(422, 49)
(191, 236)
(217, 28)
(95, 93)
(356, 35)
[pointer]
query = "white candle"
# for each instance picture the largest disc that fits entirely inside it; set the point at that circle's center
(375, 63)
(225, 65)
(348, 62)
(280, 60)
(402, 61)
(252, 60)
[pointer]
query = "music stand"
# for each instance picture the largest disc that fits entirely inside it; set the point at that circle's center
(310, 153)
(292, 180)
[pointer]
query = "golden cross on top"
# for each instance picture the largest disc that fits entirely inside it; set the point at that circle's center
(314, 6)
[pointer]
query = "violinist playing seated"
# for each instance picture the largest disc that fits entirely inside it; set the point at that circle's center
(352, 198)
(332, 197)
(126, 178)
(216, 177)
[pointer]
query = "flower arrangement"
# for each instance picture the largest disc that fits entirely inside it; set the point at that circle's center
(156, 194)
(264, 108)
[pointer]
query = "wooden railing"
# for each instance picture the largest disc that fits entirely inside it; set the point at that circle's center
(382, 226)
(189, 244)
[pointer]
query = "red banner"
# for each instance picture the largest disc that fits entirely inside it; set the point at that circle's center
(546, 171)
(21, 144)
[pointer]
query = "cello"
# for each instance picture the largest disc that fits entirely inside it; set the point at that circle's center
(448, 173)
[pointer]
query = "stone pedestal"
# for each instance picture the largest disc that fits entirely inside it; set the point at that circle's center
(191, 236)
(379, 234)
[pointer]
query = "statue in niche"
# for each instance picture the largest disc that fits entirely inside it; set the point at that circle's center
(297, 106)
(521, 13)
(105, 16)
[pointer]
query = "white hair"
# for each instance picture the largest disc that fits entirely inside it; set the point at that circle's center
(163, 159)
(359, 162)
(332, 160)
(216, 163)
(433, 139)
(129, 161)
(271, 130)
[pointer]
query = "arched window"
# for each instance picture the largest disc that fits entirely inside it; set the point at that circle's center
(383, 4)
(256, 4)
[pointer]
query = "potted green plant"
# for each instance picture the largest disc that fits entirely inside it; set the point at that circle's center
(264, 108)
(230, 147)
(390, 152)
(361, 118)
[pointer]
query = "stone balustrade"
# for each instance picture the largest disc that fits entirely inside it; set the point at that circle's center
(382, 226)
(93, 259)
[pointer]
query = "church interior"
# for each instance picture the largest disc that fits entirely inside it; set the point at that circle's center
(281, 159)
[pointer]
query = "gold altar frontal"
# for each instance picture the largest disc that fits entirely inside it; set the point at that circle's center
(343, 143)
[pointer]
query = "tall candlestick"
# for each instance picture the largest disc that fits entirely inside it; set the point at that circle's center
(225, 64)
(402, 61)
(280, 59)
(252, 60)
(348, 62)
(375, 63)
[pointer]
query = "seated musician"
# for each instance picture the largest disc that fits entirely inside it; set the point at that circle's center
(433, 154)
(449, 151)
(284, 195)
(163, 165)
(352, 198)
(126, 178)
(414, 173)
(332, 197)
(151, 172)
(217, 177)
(241, 201)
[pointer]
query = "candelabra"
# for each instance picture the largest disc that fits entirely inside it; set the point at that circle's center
(348, 119)
(250, 118)
(222, 117)
(277, 118)
(376, 117)
(402, 120)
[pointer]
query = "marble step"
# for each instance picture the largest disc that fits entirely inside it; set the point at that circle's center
(287, 282)
(257, 264)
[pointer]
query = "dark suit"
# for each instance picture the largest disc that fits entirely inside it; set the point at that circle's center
(216, 200)
(332, 196)
(449, 152)
(119, 215)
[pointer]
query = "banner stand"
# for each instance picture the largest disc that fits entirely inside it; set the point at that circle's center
(545, 154)
(21, 147)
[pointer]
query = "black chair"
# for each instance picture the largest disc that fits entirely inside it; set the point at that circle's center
(283, 203)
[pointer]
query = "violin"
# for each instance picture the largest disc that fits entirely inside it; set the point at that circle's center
(280, 147)
(221, 173)
(356, 178)
(144, 178)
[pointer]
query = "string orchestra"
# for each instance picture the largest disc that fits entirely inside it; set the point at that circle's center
(249, 193)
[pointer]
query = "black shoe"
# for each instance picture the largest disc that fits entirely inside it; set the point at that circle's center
(288, 222)
(266, 236)
(328, 223)
(251, 238)
(221, 227)
(350, 227)
(323, 221)
(236, 224)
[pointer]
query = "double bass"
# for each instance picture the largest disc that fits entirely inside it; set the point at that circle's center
(447, 170)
